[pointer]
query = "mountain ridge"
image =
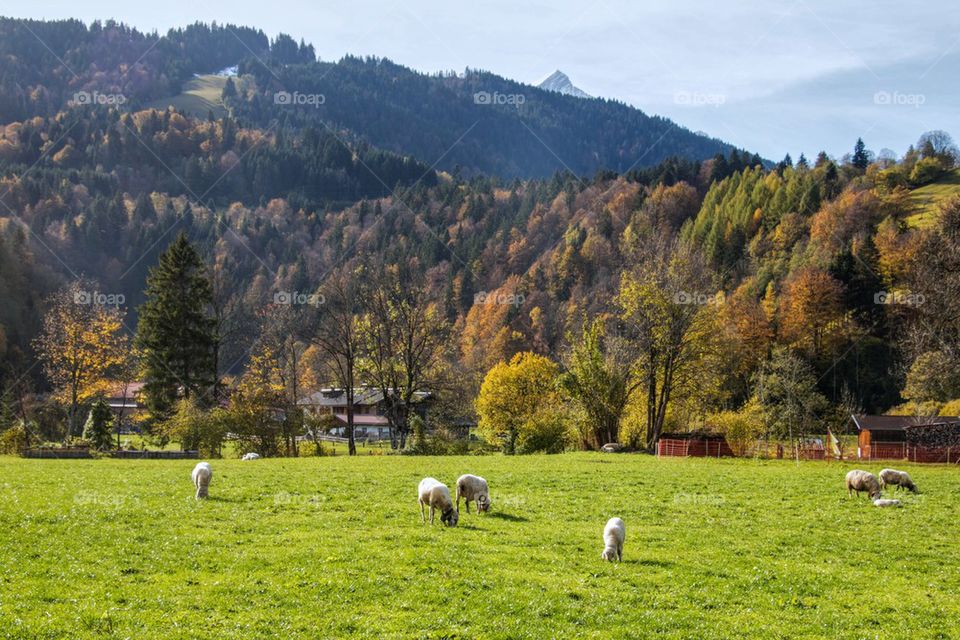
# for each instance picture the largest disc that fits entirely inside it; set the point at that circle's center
(477, 123)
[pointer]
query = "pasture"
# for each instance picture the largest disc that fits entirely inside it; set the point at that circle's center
(926, 200)
(328, 547)
(201, 95)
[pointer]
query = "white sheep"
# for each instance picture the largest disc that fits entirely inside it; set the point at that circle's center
(613, 536)
(900, 479)
(470, 487)
(202, 474)
(858, 481)
(612, 447)
(251, 456)
(436, 495)
(886, 503)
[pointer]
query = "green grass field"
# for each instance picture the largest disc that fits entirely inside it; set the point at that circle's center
(926, 200)
(200, 96)
(327, 547)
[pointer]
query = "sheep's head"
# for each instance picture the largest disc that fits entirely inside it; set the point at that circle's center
(609, 554)
(450, 517)
(483, 503)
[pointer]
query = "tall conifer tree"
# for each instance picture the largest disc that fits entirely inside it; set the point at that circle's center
(177, 330)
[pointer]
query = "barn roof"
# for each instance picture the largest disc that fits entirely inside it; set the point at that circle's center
(899, 423)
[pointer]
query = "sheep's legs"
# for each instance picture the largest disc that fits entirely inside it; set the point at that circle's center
(423, 516)
(431, 514)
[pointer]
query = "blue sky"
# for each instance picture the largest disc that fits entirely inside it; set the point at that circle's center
(773, 77)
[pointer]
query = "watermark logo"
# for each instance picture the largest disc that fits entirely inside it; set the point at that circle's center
(699, 499)
(898, 99)
(286, 499)
(297, 99)
(899, 297)
(698, 99)
(514, 299)
(685, 297)
(98, 298)
(298, 298)
(95, 498)
(100, 99)
(486, 97)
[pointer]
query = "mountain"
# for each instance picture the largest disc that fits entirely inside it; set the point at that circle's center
(477, 122)
(474, 123)
(559, 81)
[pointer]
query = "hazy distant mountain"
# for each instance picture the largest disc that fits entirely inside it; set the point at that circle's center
(559, 81)
(474, 123)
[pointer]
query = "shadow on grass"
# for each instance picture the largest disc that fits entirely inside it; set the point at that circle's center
(506, 516)
(221, 499)
(651, 563)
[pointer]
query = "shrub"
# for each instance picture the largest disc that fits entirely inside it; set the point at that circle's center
(926, 170)
(97, 429)
(951, 408)
(14, 440)
(439, 443)
(740, 428)
(196, 429)
(311, 448)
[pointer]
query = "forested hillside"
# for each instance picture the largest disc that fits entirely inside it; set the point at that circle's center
(511, 130)
(799, 292)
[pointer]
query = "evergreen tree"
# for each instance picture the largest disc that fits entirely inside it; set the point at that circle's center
(97, 429)
(177, 330)
(860, 157)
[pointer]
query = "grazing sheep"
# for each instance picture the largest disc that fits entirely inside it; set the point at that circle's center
(886, 503)
(858, 481)
(901, 479)
(202, 474)
(470, 488)
(613, 536)
(436, 495)
(251, 456)
(612, 447)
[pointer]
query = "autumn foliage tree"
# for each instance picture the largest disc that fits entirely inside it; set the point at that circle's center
(812, 310)
(519, 406)
(337, 335)
(668, 313)
(601, 375)
(404, 335)
(81, 342)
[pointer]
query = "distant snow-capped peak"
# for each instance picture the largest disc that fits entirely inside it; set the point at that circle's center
(559, 82)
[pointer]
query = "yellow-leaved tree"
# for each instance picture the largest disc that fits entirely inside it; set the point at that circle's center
(81, 343)
(520, 408)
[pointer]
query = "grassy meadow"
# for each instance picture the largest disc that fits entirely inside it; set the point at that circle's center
(926, 200)
(328, 547)
(201, 95)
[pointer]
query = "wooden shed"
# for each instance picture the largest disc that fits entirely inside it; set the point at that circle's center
(915, 438)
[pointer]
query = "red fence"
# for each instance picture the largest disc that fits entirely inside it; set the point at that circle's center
(904, 451)
(698, 448)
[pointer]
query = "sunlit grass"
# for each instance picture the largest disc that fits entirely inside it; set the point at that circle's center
(200, 96)
(926, 200)
(321, 547)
